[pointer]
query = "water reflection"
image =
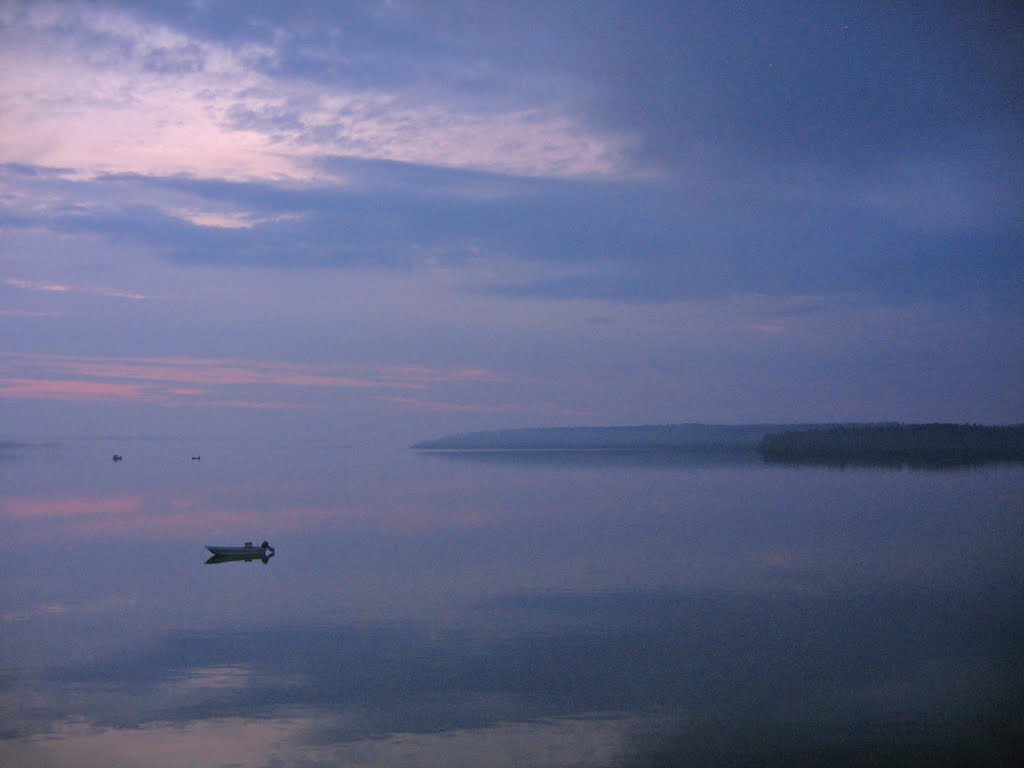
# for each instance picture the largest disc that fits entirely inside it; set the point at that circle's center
(890, 462)
(217, 559)
(694, 458)
(478, 609)
(655, 458)
(723, 673)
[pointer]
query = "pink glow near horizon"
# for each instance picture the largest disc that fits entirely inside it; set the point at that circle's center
(59, 389)
(187, 381)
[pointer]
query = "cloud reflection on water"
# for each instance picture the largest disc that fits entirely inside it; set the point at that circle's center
(522, 672)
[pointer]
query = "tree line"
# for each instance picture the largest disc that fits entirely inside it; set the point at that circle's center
(935, 444)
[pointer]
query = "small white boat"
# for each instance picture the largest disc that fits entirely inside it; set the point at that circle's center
(246, 551)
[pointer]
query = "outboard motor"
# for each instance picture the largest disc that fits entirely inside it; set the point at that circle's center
(268, 552)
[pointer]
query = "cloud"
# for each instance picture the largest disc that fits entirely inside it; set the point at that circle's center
(127, 96)
(32, 285)
(35, 285)
(299, 739)
(879, 235)
(56, 389)
(490, 171)
(839, 87)
(199, 371)
(225, 219)
(210, 382)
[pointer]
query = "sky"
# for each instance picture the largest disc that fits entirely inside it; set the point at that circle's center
(395, 220)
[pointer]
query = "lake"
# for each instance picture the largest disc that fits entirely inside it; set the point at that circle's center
(542, 609)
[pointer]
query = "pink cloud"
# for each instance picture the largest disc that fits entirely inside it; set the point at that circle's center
(198, 371)
(61, 389)
(276, 405)
(35, 285)
(100, 108)
(188, 381)
(203, 371)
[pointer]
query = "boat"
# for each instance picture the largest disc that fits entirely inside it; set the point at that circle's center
(247, 551)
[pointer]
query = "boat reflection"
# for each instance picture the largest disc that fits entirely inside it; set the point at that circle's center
(240, 558)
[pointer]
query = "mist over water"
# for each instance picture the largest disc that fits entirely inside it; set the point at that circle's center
(615, 609)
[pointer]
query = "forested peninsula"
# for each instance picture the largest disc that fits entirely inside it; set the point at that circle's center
(931, 444)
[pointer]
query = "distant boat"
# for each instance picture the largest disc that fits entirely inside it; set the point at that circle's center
(247, 552)
(196, 458)
(118, 457)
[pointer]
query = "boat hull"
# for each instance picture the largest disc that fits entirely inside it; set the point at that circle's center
(237, 551)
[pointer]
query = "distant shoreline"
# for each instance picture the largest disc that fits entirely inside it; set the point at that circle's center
(935, 444)
(640, 438)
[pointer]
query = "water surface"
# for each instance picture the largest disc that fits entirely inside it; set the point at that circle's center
(542, 609)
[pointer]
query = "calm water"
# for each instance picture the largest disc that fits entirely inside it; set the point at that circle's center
(496, 610)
